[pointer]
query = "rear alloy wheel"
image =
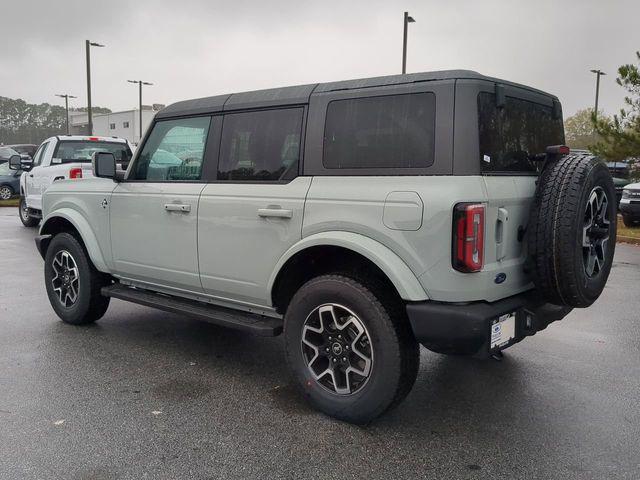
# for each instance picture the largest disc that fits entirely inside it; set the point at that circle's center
(337, 349)
(26, 219)
(5, 192)
(350, 347)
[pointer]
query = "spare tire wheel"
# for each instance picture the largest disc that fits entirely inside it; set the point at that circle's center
(572, 230)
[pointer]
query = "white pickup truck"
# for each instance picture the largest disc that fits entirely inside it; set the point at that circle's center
(59, 158)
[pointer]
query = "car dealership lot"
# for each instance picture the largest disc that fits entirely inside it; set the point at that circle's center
(147, 394)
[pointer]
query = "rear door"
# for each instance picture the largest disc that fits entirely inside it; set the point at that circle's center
(252, 214)
(154, 212)
(509, 136)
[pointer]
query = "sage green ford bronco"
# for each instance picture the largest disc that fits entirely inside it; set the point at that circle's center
(361, 218)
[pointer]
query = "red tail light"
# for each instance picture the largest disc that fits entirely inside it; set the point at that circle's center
(75, 172)
(468, 237)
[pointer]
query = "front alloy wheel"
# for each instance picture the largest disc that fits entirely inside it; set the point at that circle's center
(337, 349)
(66, 279)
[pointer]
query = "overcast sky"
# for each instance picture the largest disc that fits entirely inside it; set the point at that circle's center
(196, 48)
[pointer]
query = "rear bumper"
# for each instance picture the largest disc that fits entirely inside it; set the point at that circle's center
(466, 328)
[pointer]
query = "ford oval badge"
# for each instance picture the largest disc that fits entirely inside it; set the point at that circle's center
(501, 277)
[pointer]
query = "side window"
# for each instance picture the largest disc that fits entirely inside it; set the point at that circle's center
(173, 152)
(37, 158)
(394, 131)
(261, 146)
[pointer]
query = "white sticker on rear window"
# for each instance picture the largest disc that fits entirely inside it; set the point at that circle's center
(486, 158)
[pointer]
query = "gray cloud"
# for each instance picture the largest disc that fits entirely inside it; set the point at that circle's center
(198, 48)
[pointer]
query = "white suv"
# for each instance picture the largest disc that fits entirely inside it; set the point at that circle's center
(59, 158)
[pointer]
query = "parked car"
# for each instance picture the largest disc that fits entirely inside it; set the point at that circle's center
(630, 205)
(361, 217)
(59, 158)
(25, 149)
(6, 153)
(619, 184)
(9, 182)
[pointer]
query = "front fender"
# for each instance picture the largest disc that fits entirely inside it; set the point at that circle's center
(394, 268)
(84, 229)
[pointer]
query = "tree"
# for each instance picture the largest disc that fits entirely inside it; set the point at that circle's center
(578, 129)
(94, 110)
(619, 137)
(22, 122)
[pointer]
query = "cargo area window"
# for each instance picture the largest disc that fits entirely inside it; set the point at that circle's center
(261, 146)
(395, 131)
(510, 135)
(173, 152)
(80, 151)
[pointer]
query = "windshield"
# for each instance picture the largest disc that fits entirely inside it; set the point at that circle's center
(5, 170)
(74, 151)
(511, 135)
(6, 153)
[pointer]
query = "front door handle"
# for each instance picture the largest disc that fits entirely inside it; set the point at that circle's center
(275, 212)
(177, 207)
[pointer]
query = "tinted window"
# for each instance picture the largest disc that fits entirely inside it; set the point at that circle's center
(174, 151)
(74, 151)
(510, 135)
(263, 145)
(394, 131)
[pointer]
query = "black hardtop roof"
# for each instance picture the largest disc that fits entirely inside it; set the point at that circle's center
(300, 94)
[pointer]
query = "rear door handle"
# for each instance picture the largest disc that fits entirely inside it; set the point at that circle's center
(501, 233)
(275, 212)
(177, 207)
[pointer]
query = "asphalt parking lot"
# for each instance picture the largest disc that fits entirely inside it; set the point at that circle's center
(147, 394)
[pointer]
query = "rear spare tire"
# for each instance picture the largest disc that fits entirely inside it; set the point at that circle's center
(572, 230)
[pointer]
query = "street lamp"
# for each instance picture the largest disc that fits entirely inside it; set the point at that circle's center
(66, 97)
(140, 83)
(88, 44)
(407, 20)
(598, 74)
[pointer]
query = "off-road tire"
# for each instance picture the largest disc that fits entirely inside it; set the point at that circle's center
(26, 219)
(395, 352)
(90, 305)
(630, 221)
(555, 230)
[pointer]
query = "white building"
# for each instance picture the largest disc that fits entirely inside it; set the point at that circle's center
(123, 124)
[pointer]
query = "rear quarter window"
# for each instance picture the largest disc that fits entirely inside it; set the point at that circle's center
(394, 131)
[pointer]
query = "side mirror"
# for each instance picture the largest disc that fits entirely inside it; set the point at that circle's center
(15, 162)
(104, 165)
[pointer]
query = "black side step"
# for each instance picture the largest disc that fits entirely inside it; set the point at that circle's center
(226, 317)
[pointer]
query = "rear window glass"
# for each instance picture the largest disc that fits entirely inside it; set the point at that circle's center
(512, 134)
(79, 151)
(395, 131)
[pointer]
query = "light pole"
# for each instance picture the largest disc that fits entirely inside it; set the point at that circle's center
(407, 20)
(66, 97)
(140, 83)
(88, 44)
(598, 74)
